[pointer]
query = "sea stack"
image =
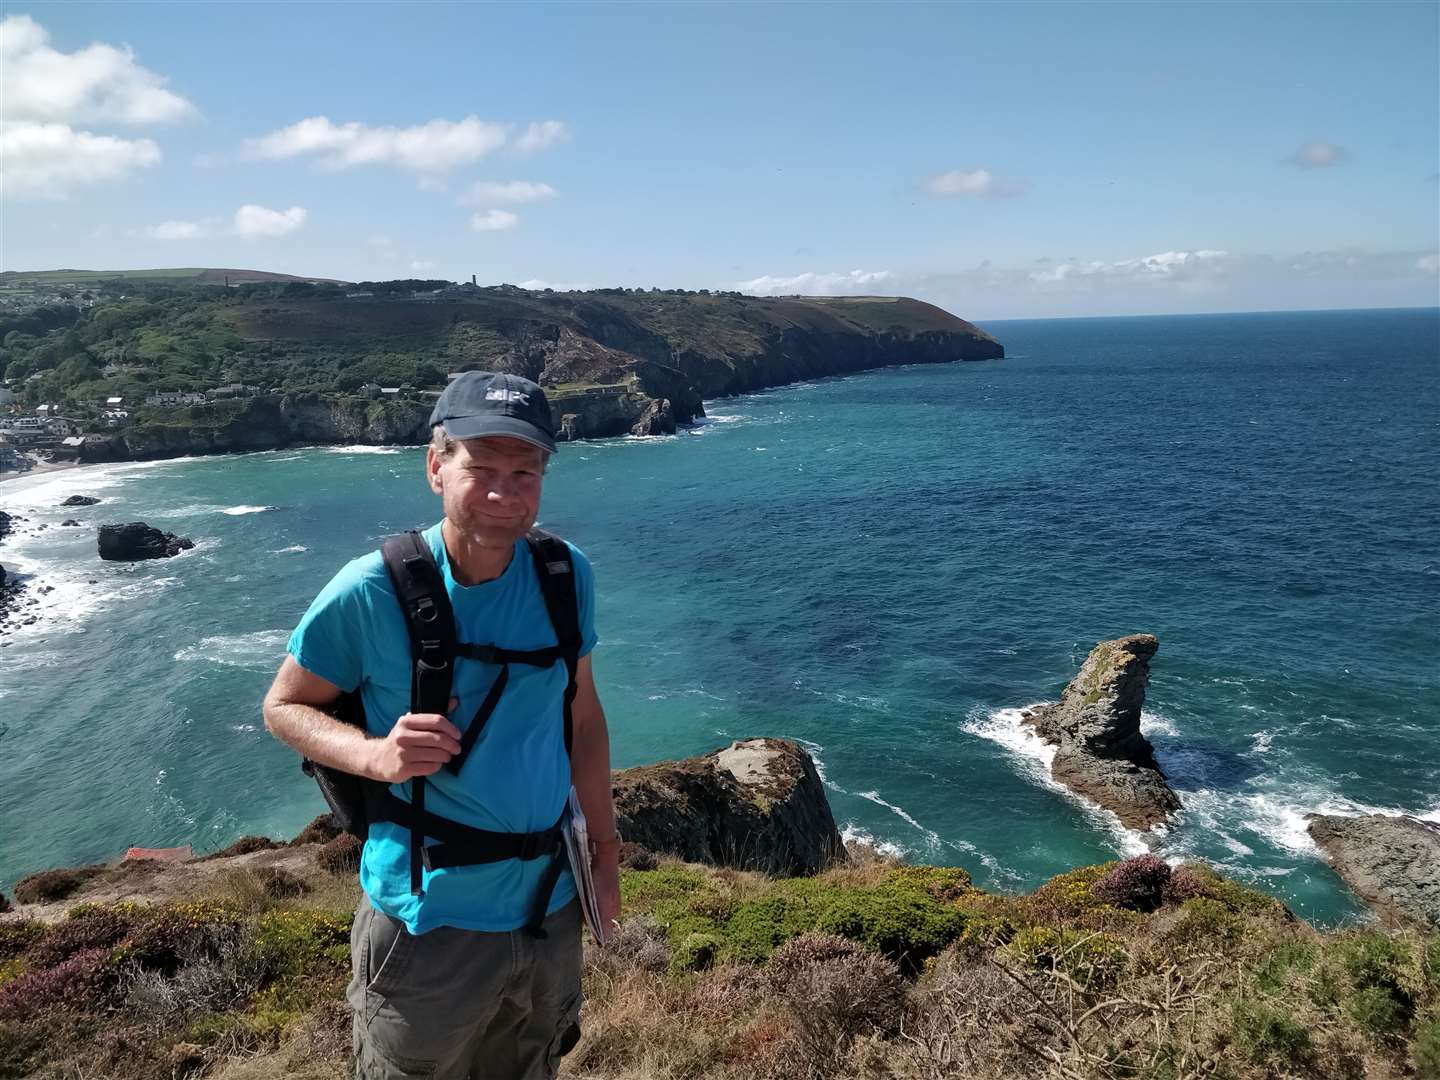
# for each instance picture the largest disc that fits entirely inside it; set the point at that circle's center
(1392, 863)
(1096, 728)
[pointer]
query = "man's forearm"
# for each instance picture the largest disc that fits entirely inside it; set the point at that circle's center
(590, 773)
(322, 738)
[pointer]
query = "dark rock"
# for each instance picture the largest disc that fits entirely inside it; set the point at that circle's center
(657, 419)
(1392, 863)
(6, 521)
(5, 906)
(127, 543)
(756, 805)
(69, 522)
(80, 500)
(1096, 727)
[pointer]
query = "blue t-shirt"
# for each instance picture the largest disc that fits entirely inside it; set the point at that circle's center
(517, 777)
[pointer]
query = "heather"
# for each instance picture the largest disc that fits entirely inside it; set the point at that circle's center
(870, 970)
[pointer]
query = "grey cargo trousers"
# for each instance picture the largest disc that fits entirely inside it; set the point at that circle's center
(456, 1004)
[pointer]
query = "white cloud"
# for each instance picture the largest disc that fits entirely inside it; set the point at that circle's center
(44, 93)
(516, 191)
(1428, 264)
(1166, 266)
(493, 221)
(253, 221)
(816, 284)
(98, 83)
(979, 182)
(177, 230)
(1318, 155)
(44, 161)
(541, 135)
(431, 148)
(419, 266)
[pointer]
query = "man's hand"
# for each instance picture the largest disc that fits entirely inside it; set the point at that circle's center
(418, 745)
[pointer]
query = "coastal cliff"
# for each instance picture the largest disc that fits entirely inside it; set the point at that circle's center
(303, 364)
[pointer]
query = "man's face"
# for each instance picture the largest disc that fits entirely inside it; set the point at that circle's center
(490, 488)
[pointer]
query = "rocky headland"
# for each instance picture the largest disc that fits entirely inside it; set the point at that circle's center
(613, 361)
(758, 804)
(1392, 863)
(1095, 727)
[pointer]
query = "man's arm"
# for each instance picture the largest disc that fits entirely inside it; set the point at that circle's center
(590, 773)
(294, 709)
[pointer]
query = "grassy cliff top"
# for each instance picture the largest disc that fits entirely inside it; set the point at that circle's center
(234, 968)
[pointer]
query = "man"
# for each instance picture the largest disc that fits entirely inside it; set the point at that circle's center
(447, 982)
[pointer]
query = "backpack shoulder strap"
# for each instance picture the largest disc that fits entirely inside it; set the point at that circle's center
(429, 619)
(555, 568)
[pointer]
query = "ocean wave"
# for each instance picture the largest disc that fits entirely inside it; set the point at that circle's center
(258, 651)
(852, 833)
(236, 511)
(814, 749)
(358, 449)
(292, 549)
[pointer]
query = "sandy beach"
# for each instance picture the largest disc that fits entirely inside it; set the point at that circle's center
(40, 468)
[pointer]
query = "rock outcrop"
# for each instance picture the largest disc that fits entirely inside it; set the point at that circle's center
(136, 540)
(1095, 726)
(80, 500)
(758, 804)
(1392, 863)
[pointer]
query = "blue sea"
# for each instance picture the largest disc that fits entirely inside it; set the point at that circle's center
(886, 567)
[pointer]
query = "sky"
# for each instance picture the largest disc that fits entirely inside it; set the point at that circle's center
(1005, 160)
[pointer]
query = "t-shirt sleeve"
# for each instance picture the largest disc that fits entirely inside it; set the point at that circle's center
(585, 593)
(329, 641)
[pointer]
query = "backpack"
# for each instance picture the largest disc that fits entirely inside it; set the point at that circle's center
(356, 802)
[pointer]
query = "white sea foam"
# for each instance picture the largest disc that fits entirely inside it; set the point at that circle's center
(851, 833)
(814, 749)
(1154, 724)
(1263, 741)
(258, 651)
(1034, 756)
(236, 511)
(367, 449)
(292, 549)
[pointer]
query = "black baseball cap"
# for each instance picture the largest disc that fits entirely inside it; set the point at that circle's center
(480, 404)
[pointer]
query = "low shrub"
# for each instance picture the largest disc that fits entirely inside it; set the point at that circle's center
(906, 925)
(1377, 1012)
(50, 885)
(1068, 895)
(295, 943)
(86, 928)
(696, 952)
(806, 951)
(1091, 960)
(836, 999)
(321, 830)
(244, 846)
(77, 983)
(1186, 883)
(1204, 925)
(637, 857)
(944, 883)
(341, 855)
(1425, 1047)
(1267, 1034)
(280, 884)
(1138, 884)
(639, 942)
(16, 937)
